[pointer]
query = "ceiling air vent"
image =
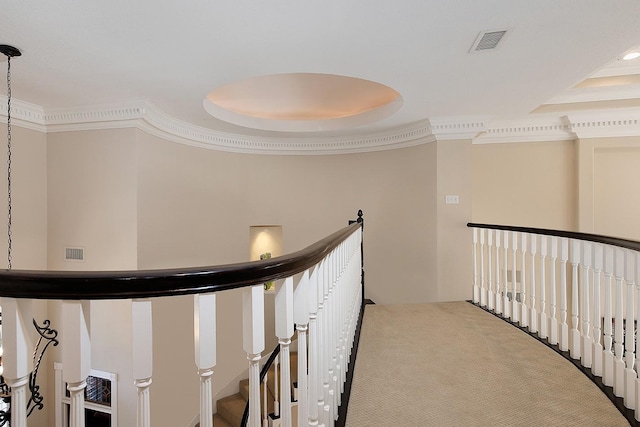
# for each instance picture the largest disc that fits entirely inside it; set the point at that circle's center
(73, 254)
(488, 40)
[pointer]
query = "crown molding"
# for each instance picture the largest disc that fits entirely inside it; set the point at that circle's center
(595, 94)
(481, 130)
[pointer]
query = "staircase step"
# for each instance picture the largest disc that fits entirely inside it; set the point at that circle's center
(244, 388)
(232, 408)
(218, 421)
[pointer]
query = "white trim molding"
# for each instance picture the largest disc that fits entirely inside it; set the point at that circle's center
(607, 124)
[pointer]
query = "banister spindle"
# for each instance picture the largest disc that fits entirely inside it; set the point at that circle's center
(515, 308)
(284, 332)
(491, 295)
(629, 354)
(483, 279)
(598, 254)
(253, 345)
(301, 319)
(564, 327)
(574, 351)
(607, 377)
(544, 319)
(474, 248)
(17, 359)
(204, 331)
(587, 341)
(506, 306)
(618, 366)
(637, 281)
(76, 355)
(553, 321)
(533, 248)
(142, 355)
(314, 351)
(499, 283)
(524, 315)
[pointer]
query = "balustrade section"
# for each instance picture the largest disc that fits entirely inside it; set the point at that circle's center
(578, 291)
(319, 294)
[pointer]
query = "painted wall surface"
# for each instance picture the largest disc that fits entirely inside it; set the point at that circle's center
(531, 184)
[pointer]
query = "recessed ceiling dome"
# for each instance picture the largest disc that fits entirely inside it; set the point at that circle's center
(299, 102)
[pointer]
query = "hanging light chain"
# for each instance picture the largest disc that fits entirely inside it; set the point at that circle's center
(9, 162)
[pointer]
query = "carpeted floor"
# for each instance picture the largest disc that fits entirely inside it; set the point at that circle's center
(452, 364)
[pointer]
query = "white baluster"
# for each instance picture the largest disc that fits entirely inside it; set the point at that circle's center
(17, 359)
(483, 279)
(506, 306)
(587, 341)
(524, 315)
(533, 248)
(253, 345)
(564, 327)
(491, 302)
(553, 321)
(618, 366)
(499, 291)
(544, 319)
(574, 351)
(284, 332)
(301, 318)
(276, 389)
(607, 377)
(515, 308)
(314, 362)
(76, 355)
(142, 357)
(204, 332)
(637, 281)
(629, 355)
(476, 287)
(598, 254)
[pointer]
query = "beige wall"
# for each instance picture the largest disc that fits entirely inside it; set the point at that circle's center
(531, 184)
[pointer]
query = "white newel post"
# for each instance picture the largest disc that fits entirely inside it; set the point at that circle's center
(533, 247)
(637, 281)
(498, 281)
(490, 303)
(564, 327)
(524, 315)
(142, 354)
(587, 341)
(506, 307)
(553, 321)
(76, 355)
(544, 320)
(476, 288)
(618, 366)
(629, 354)
(17, 360)
(204, 335)
(284, 331)
(483, 287)
(253, 345)
(515, 308)
(314, 362)
(598, 254)
(574, 351)
(301, 318)
(607, 377)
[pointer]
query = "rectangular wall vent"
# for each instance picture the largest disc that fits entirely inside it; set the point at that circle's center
(73, 254)
(488, 40)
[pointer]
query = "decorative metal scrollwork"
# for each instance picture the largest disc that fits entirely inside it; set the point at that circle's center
(48, 336)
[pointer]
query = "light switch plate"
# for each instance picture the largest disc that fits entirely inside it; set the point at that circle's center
(451, 199)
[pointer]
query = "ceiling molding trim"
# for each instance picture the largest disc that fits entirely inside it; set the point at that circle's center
(532, 129)
(618, 69)
(457, 127)
(594, 94)
(605, 124)
(24, 114)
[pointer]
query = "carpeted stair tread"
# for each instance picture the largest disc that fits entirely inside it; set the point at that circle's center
(231, 408)
(218, 421)
(244, 388)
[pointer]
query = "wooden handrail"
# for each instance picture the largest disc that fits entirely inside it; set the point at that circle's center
(86, 285)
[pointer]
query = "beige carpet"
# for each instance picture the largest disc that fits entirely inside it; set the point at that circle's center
(452, 364)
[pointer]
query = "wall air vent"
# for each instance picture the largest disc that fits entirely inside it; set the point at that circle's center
(488, 40)
(73, 254)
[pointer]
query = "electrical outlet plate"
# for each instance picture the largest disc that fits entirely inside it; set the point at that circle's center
(451, 199)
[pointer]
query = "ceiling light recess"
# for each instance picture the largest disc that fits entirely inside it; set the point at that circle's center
(302, 102)
(631, 55)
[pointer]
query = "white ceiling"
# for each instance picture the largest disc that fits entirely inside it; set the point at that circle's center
(172, 53)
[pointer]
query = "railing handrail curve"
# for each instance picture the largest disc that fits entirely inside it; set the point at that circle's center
(91, 285)
(596, 238)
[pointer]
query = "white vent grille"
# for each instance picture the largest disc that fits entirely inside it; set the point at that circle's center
(488, 40)
(74, 254)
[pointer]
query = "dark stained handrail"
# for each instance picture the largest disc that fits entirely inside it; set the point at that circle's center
(87, 285)
(597, 238)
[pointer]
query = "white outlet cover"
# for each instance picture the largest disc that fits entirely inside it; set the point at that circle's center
(451, 199)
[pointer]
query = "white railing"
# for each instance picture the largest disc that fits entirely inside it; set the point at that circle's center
(318, 290)
(521, 273)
